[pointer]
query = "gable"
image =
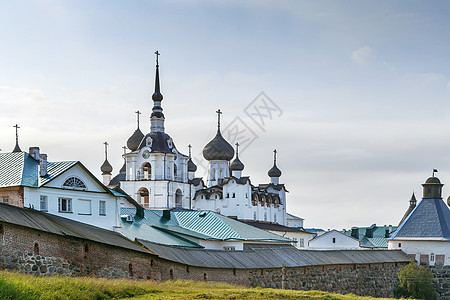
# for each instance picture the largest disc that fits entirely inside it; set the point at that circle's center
(77, 172)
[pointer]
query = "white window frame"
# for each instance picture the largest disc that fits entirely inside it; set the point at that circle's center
(102, 208)
(5, 199)
(302, 243)
(43, 203)
(68, 205)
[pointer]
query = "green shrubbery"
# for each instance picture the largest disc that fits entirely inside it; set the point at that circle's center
(22, 286)
(415, 282)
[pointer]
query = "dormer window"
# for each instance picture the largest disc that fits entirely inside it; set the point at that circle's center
(170, 143)
(74, 183)
(149, 142)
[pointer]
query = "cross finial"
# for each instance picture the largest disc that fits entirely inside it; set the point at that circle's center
(274, 156)
(218, 118)
(157, 58)
(189, 146)
(124, 149)
(237, 148)
(138, 113)
(106, 149)
(17, 131)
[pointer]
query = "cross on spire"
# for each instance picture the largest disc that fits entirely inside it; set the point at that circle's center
(218, 118)
(138, 113)
(275, 156)
(157, 57)
(106, 149)
(237, 148)
(124, 149)
(189, 146)
(17, 148)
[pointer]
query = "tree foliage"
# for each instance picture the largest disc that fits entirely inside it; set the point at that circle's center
(415, 282)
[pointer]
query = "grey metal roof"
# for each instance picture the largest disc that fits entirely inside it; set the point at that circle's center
(274, 226)
(430, 220)
(61, 226)
(18, 168)
(272, 257)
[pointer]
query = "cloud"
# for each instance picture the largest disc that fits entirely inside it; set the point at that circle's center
(363, 55)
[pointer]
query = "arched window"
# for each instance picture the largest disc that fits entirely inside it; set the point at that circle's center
(178, 198)
(130, 269)
(213, 174)
(175, 171)
(144, 199)
(146, 171)
(36, 249)
(220, 174)
(74, 183)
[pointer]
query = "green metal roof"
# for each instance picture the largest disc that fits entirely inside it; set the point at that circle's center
(20, 169)
(54, 169)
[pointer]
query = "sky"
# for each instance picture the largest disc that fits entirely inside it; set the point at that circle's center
(353, 95)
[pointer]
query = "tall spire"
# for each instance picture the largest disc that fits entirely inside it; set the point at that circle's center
(157, 117)
(17, 148)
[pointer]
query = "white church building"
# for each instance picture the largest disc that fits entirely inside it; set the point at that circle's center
(158, 176)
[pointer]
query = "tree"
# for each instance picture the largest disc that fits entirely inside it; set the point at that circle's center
(415, 282)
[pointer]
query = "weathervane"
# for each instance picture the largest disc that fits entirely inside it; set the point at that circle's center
(434, 171)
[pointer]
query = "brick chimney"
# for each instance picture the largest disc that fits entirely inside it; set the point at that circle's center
(34, 152)
(42, 165)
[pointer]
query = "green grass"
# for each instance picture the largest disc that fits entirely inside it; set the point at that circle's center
(21, 286)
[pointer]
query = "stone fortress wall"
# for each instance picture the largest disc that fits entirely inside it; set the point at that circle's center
(44, 254)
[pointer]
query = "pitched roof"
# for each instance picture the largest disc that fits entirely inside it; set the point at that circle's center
(430, 220)
(202, 225)
(274, 226)
(291, 216)
(62, 226)
(271, 256)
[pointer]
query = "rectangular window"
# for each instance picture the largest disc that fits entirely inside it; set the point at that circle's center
(43, 204)
(102, 208)
(231, 248)
(432, 257)
(5, 199)
(302, 243)
(84, 207)
(334, 240)
(295, 241)
(275, 218)
(65, 205)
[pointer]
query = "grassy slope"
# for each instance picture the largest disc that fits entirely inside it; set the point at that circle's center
(20, 286)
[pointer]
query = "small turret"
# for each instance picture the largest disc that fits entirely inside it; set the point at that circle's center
(432, 188)
(274, 173)
(106, 168)
(237, 166)
(412, 205)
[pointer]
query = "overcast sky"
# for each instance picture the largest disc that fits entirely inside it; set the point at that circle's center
(359, 90)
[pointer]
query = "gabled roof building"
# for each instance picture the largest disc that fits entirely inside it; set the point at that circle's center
(425, 233)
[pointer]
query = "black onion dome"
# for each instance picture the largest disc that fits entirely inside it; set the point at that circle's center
(191, 166)
(218, 149)
(274, 172)
(433, 180)
(106, 168)
(134, 140)
(160, 142)
(237, 165)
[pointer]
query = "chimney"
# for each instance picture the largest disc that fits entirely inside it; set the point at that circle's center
(42, 164)
(140, 212)
(166, 214)
(34, 152)
(355, 232)
(369, 232)
(386, 233)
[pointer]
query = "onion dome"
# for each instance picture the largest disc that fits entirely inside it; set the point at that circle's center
(134, 140)
(237, 165)
(191, 166)
(274, 171)
(106, 168)
(218, 148)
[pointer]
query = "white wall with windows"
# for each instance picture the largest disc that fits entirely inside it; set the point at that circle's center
(300, 239)
(333, 240)
(424, 250)
(76, 195)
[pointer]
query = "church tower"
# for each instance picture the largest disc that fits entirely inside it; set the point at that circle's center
(219, 153)
(156, 172)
